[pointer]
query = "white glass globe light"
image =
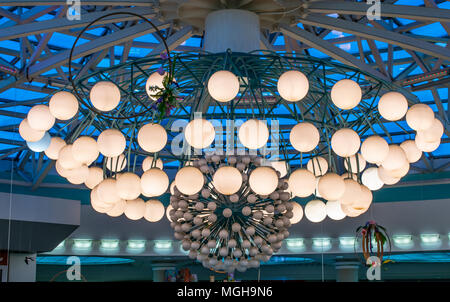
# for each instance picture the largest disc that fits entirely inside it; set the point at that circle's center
(189, 180)
(345, 142)
(152, 137)
(154, 210)
(374, 149)
(304, 137)
(280, 166)
(78, 175)
(107, 191)
(364, 201)
(199, 133)
(334, 210)
(424, 146)
(154, 80)
(95, 177)
(63, 105)
(40, 118)
(396, 158)
(60, 170)
(293, 86)
(111, 143)
(117, 209)
(400, 172)
(253, 134)
(302, 183)
(263, 180)
(128, 186)
(116, 164)
(413, 154)
(66, 159)
(393, 106)
(317, 165)
(297, 212)
(29, 134)
(154, 182)
(420, 117)
(42, 144)
(386, 178)
(331, 186)
(315, 211)
(433, 133)
(227, 180)
(97, 204)
(105, 96)
(56, 144)
(356, 165)
(85, 150)
(352, 192)
(147, 163)
(346, 94)
(371, 179)
(223, 86)
(135, 209)
(350, 211)
(169, 207)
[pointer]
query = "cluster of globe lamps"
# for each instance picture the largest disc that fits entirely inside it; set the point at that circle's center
(337, 196)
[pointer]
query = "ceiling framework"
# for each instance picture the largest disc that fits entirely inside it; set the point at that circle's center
(393, 48)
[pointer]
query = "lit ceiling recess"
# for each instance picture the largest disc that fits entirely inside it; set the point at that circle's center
(231, 210)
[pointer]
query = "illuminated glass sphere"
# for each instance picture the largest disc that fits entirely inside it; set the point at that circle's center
(280, 166)
(425, 146)
(78, 175)
(304, 137)
(302, 183)
(413, 154)
(66, 158)
(56, 144)
(154, 80)
(97, 204)
(169, 208)
(107, 191)
(60, 170)
(400, 172)
(293, 85)
(315, 210)
(253, 134)
(111, 143)
(386, 178)
(154, 182)
(85, 150)
(420, 117)
(95, 177)
(223, 86)
(189, 180)
(152, 137)
(351, 193)
(154, 210)
(396, 158)
(364, 201)
(371, 179)
(393, 106)
(40, 145)
(227, 180)
(105, 96)
(356, 165)
(29, 134)
(374, 149)
(350, 211)
(331, 186)
(433, 133)
(346, 94)
(40, 118)
(263, 180)
(135, 209)
(345, 142)
(317, 165)
(128, 186)
(117, 209)
(63, 105)
(199, 133)
(147, 163)
(297, 212)
(334, 210)
(116, 164)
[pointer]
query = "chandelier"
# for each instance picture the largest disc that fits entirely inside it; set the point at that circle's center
(248, 133)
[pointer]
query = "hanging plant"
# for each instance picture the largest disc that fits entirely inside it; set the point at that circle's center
(165, 96)
(369, 233)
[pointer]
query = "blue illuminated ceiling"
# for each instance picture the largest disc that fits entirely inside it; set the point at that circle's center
(34, 44)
